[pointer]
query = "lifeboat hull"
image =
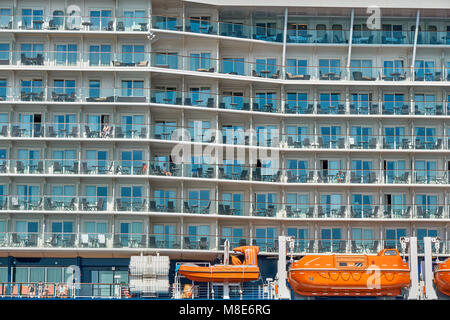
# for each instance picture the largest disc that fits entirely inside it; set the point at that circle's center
(442, 277)
(220, 273)
(345, 275)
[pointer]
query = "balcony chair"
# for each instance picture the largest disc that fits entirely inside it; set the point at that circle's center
(222, 174)
(355, 248)
(71, 205)
(48, 205)
(420, 213)
(203, 244)
(310, 176)
(320, 212)
(74, 168)
(36, 206)
(188, 209)
(275, 75)
(89, 133)
(439, 212)
(32, 240)
(341, 212)
(438, 144)
(205, 210)
(20, 168)
(103, 170)
(40, 167)
(152, 242)
(74, 132)
(120, 206)
(311, 246)
(276, 177)
(3, 167)
(119, 133)
(85, 169)
(4, 131)
(372, 177)
(100, 204)
(407, 213)
(374, 213)
(187, 243)
(142, 134)
(51, 132)
(53, 241)
(342, 246)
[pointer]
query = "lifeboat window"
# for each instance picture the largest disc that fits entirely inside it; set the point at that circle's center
(390, 253)
(358, 264)
(342, 264)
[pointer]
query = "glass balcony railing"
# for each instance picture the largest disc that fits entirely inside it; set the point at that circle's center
(63, 94)
(228, 29)
(189, 241)
(428, 73)
(78, 23)
(262, 137)
(270, 31)
(331, 107)
(237, 172)
(433, 38)
(229, 205)
(317, 36)
(264, 68)
(397, 37)
(428, 108)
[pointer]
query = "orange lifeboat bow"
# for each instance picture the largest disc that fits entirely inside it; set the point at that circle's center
(350, 275)
(236, 272)
(442, 277)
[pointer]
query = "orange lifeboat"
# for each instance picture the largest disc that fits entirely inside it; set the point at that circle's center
(236, 272)
(350, 275)
(442, 277)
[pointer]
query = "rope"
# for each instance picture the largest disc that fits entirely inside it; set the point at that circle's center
(349, 276)
(360, 275)
(392, 279)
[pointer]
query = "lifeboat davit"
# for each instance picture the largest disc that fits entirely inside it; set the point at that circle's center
(236, 272)
(384, 274)
(442, 277)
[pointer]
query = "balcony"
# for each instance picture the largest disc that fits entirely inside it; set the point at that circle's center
(232, 207)
(58, 22)
(397, 37)
(263, 69)
(262, 136)
(317, 36)
(99, 241)
(433, 38)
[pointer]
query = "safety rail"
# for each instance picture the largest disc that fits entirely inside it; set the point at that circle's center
(47, 290)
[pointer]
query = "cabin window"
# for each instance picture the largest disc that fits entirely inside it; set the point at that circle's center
(390, 253)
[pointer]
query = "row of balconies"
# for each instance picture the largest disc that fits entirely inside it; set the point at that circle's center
(265, 136)
(319, 34)
(237, 172)
(261, 29)
(59, 22)
(13, 240)
(141, 205)
(328, 69)
(261, 102)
